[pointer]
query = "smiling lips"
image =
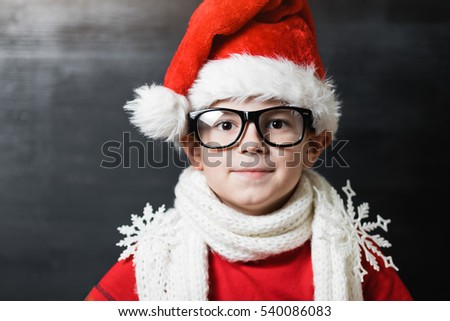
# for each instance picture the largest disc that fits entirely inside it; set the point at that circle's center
(253, 172)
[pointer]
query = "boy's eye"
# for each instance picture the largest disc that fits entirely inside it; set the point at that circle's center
(224, 125)
(277, 124)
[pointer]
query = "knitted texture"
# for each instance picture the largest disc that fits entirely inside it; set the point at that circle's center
(171, 249)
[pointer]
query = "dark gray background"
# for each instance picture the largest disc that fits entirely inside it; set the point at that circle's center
(67, 68)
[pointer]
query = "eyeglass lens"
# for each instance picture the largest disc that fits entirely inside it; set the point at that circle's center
(278, 126)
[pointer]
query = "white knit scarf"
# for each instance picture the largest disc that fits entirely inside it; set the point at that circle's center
(171, 247)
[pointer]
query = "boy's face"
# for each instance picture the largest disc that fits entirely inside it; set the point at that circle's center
(251, 176)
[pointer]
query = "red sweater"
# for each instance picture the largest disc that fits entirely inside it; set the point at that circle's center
(283, 277)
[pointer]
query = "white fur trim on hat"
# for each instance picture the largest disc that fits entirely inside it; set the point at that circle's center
(158, 112)
(241, 76)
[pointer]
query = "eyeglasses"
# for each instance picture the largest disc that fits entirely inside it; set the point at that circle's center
(280, 126)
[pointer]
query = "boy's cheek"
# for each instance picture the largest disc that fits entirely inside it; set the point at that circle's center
(215, 158)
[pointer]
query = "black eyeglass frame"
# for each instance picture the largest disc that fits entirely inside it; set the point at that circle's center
(252, 116)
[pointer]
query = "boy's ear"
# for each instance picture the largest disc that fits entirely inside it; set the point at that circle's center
(192, 150)
(315, 145)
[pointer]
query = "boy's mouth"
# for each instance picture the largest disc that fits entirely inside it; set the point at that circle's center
(253, 172)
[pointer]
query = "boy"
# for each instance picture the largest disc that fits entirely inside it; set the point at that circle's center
(246, 91)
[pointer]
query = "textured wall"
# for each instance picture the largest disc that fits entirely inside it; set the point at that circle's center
(67, 67)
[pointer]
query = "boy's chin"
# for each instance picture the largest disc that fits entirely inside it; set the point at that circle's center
(255, 206)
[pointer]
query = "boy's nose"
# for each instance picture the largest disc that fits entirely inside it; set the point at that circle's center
(250, 140)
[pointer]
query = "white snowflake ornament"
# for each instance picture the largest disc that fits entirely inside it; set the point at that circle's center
(136, 231)
(369, 244)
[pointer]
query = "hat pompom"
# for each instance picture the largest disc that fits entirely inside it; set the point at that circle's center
(158, 112)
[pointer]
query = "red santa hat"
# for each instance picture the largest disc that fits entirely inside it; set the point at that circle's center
(237, 49)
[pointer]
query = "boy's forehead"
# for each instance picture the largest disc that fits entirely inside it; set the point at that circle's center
(248, 103)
